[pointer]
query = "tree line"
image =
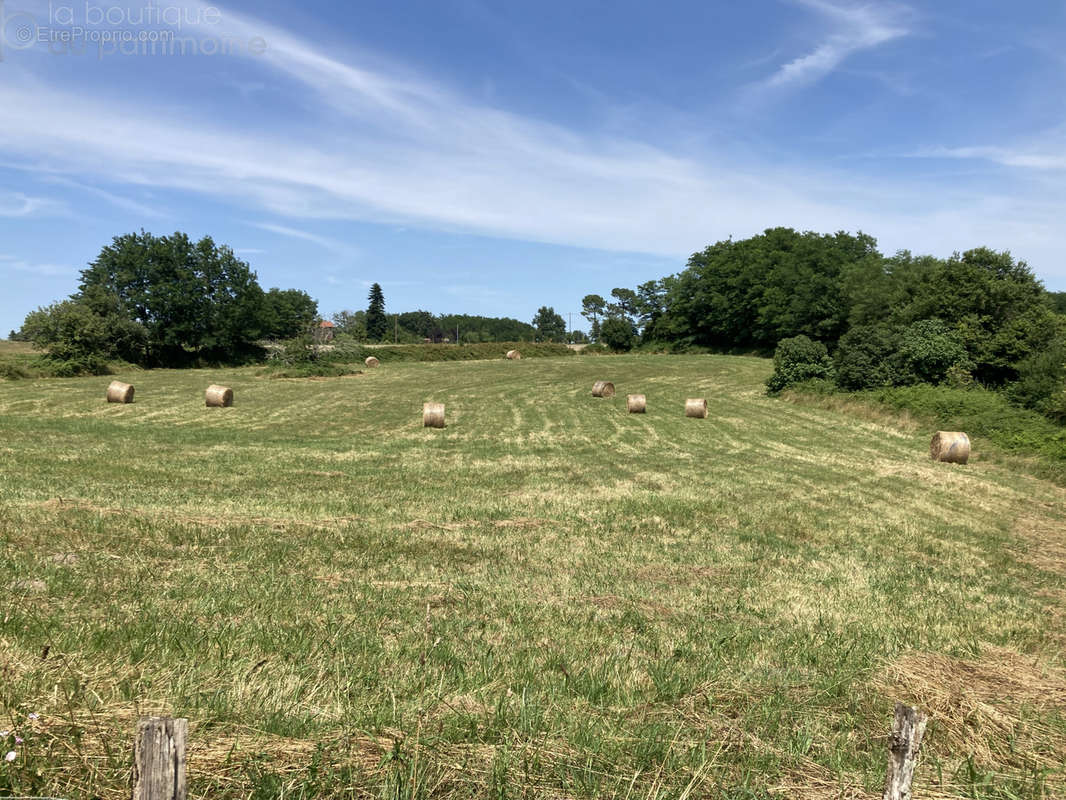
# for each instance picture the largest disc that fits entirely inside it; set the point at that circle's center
(375, 325)
(831, 307)
(169, 301)
(834, 308)
(165, 301)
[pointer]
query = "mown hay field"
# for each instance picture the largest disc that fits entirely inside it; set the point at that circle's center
(547, 598)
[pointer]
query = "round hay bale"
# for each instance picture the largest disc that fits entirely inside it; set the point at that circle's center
(119, 392)
(603, 389)
(636, 403)
(433, 415)
(696, 407)
(514, 355)
(952, 447)
(372, 362)
(219, 396)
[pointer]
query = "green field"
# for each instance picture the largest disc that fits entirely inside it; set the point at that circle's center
(548, 598)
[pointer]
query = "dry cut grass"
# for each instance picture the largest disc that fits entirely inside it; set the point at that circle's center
(548, 598)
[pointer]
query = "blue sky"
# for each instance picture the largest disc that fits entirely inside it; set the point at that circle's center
(492, 157)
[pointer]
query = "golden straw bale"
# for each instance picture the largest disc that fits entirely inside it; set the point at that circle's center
(433, 415)
(603, 389)
(119, 392)
(696, 407)
(219, 396)
(952, 447)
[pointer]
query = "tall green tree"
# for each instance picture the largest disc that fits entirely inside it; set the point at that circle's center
(592, 308)
(419, 324)
(287, 313)
(550, 326)
(750, 294)
(352, 323)
(625, 304)
(377, 324)
(993, 304)
(192, 298)
(617, 333)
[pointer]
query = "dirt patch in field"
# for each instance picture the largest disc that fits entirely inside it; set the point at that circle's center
(73, 504)
(989, 707)
(521, 522)
(613, 601)
(459, 704)
(425, 524)
(680, 575)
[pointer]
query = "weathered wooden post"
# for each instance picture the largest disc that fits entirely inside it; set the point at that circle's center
(907, 731)
(159, 759)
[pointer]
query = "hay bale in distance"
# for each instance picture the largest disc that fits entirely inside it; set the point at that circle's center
(603, 389)
(636, 403)
(952, 447)
(433, 415)
(372, 362)
(696, 407)
(219, 396)
(514, 355)
(119, 392)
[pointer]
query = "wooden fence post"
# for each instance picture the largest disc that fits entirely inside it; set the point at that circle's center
(907, 731)
(159, 759)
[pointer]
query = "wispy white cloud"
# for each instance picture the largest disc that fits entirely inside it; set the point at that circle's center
(341, 248)
(125, 203)
(380, 144)
(16, 204)
(11, 264)
(852, 28)
(1006, 156)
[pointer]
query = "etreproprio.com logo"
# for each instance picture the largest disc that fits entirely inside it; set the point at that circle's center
(18, 30)
(152, 30)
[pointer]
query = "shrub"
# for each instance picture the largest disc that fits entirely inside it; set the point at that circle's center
(617, 334)
(928, 350)
(799, 359)
(309, 369)
(867, 357)
(466, 352)
(815, 386)
(983, 413)
(73, 367)
(594, 349)
(71, 331)
(1041, 383)
(13, 371)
